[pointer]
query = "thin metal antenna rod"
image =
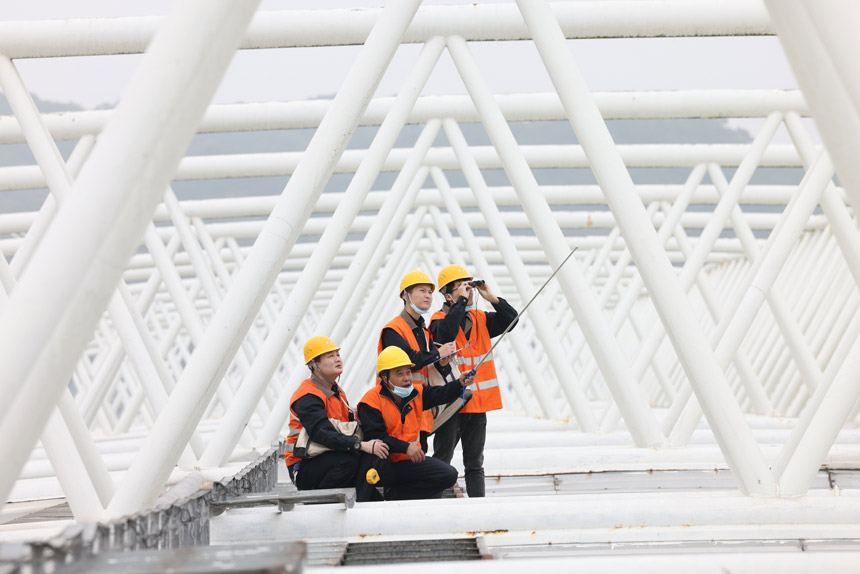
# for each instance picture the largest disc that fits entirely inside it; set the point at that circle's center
(514, 322)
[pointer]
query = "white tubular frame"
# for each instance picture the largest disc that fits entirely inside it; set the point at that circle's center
(146, 333)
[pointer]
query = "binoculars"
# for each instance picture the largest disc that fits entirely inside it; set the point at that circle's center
(476, 282)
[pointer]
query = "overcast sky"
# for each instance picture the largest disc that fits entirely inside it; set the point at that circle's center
(509, 67)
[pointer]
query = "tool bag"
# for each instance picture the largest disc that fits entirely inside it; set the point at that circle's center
(306, 448)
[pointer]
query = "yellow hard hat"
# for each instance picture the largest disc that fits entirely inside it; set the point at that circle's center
(451, 273)
(392, 357)
(318, 345)
(416, 278)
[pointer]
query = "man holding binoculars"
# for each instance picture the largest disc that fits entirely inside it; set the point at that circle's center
(472, 330)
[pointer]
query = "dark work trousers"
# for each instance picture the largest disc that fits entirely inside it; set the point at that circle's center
(471, 428)
(406, 480)
(331, 469)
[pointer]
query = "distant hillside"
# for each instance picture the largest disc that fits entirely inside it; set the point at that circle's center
(526, 133)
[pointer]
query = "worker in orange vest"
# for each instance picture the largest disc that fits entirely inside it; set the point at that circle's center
(408, 331)
(471, 329)
(314, 405)
(393, 412)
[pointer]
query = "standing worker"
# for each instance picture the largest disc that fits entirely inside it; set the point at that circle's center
(408, 331)
(471, 329)
(317, 400)
(393, 412)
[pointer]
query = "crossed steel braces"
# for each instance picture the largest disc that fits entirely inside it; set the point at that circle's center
(187, 353)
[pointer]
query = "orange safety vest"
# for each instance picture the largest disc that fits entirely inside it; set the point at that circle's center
(336, 407)
(405, 428)
(421, 376)
(402, 328)
(486, 395)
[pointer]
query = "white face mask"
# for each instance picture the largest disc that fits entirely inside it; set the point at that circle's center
(402, 392)
(418, 309)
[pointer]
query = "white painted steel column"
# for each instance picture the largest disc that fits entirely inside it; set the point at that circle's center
(207, 282)
(71, 471)
(502, 238)
(820, 42)
(592, 270)
(72, 452)
(362, 334)
(214, 292)
(726, 419)
(7, 280)
(634, 290)
(201, 267)
(363, 337)
(362, 269)
(556, 355)
(631, 399)
(86, 446)
(823, 417)
(41, 144)
(829, 288)
(530, 402)
(438, 237)
(707, 239)
(229, 325)
(46, 213)
(302, 28)
(747, 302)
(254, 340)
(70, 279)
(616, 272)
(113, 355)
(813, 434)
(263, 368)
(252, 343)
(833, 323)
(844, 229)
(791, 332)
(747, 375)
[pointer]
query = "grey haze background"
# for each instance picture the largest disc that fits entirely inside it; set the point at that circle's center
(526, 133)
(60, 84)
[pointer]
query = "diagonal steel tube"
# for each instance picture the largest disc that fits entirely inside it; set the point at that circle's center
(226, 330)
(555, 353)
(631, 399)
(731, 331)
(731, 430)
(71, 277)
(362, 269)
(300, 297)
(479, 261)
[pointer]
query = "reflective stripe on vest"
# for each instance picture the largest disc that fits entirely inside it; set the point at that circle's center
(401, 327)
(488, 384)
(486, 394)
(336, 408)
(480, 359)
(408, 430)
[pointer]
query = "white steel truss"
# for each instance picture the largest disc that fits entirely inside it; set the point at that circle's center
(144, 336)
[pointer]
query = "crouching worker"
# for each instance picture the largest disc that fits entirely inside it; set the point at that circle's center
(317, 406)
(393, 411)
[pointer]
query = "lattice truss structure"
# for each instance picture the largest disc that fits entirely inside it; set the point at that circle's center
(142, 336)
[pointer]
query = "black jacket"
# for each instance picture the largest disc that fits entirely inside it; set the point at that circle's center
(311, 412)
(373, 423)
(445, 330)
